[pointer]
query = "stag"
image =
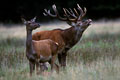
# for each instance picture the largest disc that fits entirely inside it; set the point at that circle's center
(66, 38)
(39, 51)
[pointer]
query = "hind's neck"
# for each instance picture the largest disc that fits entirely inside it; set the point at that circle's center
(29, 41)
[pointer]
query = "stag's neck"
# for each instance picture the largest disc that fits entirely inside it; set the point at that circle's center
(72, 35)
(78, 33)
(29, 41)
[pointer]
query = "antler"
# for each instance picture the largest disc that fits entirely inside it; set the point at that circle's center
(48, 13)
(83, 13)
(67, 13)
(70, 12)
(76, 15)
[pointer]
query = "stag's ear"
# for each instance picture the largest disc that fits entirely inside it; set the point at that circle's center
(33, 20)
(23, 20)
(71, 23)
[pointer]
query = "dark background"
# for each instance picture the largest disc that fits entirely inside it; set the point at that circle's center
(11, 11)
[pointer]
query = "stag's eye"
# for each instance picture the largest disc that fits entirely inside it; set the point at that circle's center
(83, 21)
(79, 24)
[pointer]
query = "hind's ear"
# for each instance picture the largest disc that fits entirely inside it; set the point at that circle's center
(33, 20)
(23, 20)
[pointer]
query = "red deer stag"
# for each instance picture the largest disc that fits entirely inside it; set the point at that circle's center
(65, 38)
(39, 51)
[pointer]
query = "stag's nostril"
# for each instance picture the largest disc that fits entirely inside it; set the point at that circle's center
(89, 21)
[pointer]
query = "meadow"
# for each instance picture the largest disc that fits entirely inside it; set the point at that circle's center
(95, 57)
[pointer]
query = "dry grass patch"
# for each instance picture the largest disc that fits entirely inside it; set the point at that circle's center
(95, 57)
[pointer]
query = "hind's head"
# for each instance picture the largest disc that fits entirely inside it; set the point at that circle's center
(31, 25)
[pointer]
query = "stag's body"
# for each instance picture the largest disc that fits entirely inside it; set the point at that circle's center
(68, 37)
(65, 38)
(39, 51)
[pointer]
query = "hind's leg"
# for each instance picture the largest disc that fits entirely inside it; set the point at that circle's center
(37, 68)
(32, 67)
(52, 63)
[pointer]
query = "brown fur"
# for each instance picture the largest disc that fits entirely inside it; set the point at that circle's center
(46, 51)
(39, 51)
(54, 35)
(45, 48)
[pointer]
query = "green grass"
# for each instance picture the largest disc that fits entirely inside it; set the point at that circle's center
(95, 57)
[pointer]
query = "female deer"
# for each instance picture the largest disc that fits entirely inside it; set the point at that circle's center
(39, 51)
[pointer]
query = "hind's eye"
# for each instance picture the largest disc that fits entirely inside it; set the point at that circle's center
(80, 23)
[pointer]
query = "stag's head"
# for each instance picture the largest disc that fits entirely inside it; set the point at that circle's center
(31, 25)
(72, 17)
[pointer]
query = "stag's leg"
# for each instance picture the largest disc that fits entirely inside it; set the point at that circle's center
(63, 57)
(59, 58)
(63, 60)
(32, 67)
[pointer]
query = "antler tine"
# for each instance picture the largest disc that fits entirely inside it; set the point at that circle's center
(47, 12)
(71, 13)
(76, 12)
(82, 13)
(68, 13)
(85, 10)
(68, 17)
(55, 10)
(79, 8)
(57, 14)
(59, 17)
(71, 10)
(44, 13)
(64, 9)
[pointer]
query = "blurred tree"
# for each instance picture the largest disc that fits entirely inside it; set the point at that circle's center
(12, 10)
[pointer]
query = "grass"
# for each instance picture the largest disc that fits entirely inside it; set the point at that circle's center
(95, 57)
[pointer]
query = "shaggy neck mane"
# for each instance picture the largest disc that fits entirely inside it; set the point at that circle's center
(72, 35)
